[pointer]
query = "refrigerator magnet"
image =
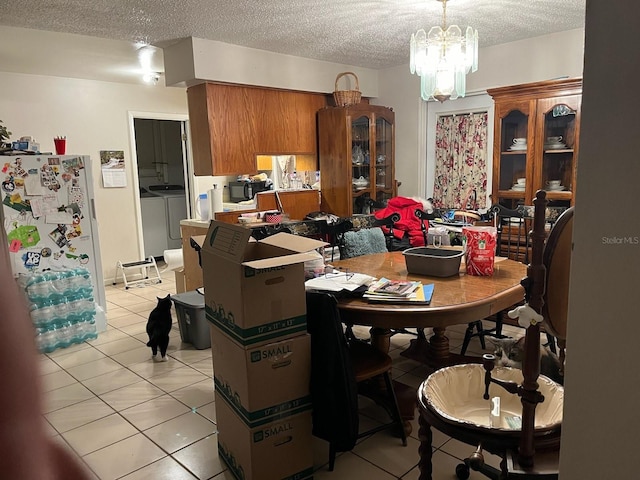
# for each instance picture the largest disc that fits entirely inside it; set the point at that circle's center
(58, 236)
(28, 235)
(18, 170)
(14, 245)
(31, 260)
(9, 185)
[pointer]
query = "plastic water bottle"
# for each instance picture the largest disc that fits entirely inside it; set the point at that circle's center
(203, 207)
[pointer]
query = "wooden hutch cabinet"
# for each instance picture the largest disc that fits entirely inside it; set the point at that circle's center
(545, 117)
(356, 153)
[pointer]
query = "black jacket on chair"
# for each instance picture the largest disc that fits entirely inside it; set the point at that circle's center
(334, 391)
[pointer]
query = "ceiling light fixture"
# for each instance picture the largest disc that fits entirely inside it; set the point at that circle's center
(145, 57)
(151, 77)
(443, 58)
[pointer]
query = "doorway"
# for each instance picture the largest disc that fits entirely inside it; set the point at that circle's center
(162, 180)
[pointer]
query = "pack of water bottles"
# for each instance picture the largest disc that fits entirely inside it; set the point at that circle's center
(62, 307)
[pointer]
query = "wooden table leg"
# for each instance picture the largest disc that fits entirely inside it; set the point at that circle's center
(381, 338)
(434, 352)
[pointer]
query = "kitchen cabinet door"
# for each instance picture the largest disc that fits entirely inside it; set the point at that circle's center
(223, 129)
(232, 124)
(286, 122)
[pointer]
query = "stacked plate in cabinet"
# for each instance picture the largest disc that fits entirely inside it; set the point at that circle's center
(519, 187)
(518, 148)
(554, 187)
(554, 146)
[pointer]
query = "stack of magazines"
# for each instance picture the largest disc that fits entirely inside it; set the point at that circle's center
(399, 291)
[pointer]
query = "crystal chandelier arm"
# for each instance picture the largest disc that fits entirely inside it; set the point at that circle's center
(444, 15)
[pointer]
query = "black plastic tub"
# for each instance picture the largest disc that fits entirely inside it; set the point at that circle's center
(433, 262)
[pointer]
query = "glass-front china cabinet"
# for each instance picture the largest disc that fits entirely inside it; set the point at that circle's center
(536, 136)
(356, 155)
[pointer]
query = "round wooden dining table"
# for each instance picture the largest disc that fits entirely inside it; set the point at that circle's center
(458, 299)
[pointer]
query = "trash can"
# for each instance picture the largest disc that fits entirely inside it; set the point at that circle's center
(194, 328)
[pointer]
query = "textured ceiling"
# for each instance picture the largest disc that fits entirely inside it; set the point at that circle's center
(366, 33)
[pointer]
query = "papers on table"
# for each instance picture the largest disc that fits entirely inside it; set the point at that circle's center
(338, 281)
(394, 291)
(397, 288)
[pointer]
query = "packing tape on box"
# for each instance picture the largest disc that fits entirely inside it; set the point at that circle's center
(174, 259)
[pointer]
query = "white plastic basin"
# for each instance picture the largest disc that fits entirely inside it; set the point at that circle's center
(456, 394)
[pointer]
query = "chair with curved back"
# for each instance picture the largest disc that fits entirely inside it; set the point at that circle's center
(513, 242)
(532, 450)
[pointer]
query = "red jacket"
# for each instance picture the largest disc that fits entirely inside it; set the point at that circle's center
(409, 223)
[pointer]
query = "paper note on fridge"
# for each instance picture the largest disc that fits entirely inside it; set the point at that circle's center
(44, 205)
(59, 218)
(32, 185)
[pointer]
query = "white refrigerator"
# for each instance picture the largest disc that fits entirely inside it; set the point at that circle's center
(49, 216)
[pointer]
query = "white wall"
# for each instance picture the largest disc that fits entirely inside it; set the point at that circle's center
(401, 91)
(601, 420)
(530, 60)
(194, 60)
(94, 116)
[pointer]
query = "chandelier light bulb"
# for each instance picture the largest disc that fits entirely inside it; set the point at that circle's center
(442, 58)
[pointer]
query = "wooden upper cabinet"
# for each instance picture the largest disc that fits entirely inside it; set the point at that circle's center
(287, 122)
(547, 115)
(232, 124)
(222, 129)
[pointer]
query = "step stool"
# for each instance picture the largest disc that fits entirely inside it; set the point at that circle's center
(144, 266)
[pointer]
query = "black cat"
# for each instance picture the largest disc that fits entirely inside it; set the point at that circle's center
(158, 328)
(509, 352)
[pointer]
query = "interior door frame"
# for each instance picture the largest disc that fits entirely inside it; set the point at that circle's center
(187, 161)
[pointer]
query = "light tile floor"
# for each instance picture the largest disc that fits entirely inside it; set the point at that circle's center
(128, 417)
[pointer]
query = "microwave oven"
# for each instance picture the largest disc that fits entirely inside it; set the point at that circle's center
(240, 191)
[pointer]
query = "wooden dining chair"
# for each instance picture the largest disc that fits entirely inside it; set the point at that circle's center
(499, 217)
(530, 451)
(342, 367)
(512, 241)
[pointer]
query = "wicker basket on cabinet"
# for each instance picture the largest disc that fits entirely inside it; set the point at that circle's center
(345, 98)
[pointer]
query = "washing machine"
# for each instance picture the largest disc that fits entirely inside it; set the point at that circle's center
(163, 207)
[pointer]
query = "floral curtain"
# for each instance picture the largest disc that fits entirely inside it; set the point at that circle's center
(461, 161)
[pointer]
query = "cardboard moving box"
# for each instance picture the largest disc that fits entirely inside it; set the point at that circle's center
(265, 382)
(254, 290)
(280, 450)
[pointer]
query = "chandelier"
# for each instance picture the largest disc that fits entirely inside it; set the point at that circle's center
(442, 59)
